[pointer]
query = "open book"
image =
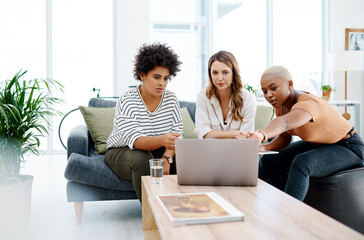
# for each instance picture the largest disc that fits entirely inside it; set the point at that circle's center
(198, 208)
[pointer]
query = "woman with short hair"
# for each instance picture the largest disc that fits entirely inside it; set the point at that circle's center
(329, 142)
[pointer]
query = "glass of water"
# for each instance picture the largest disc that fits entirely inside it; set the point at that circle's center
(156, 170)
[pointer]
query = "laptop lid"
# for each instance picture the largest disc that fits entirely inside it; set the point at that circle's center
(219, 162)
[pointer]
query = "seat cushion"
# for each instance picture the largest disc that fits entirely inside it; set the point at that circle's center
(93, 171)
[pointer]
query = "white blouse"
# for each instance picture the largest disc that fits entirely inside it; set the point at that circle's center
(209, 114)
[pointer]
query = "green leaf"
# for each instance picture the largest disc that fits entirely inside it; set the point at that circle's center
(25, 106)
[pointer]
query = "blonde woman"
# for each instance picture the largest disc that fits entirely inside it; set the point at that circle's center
(224, 109)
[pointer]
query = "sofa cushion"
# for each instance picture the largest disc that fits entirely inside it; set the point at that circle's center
(99, 122)
(188, 124)
(191, 106)
(263, 116)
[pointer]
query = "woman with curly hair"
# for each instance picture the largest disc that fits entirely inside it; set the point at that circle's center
(147, 118)
(224, 109)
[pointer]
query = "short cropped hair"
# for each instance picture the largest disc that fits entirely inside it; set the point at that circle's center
(150, 56)
(278, 71)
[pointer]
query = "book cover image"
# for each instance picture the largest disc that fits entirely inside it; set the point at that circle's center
(198, 208)
(192, 205)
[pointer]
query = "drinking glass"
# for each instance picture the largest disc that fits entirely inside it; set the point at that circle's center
(156, 170)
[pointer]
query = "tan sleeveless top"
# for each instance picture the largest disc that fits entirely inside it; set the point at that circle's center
(327, 125)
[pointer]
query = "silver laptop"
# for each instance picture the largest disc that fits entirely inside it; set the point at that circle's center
(223, 162)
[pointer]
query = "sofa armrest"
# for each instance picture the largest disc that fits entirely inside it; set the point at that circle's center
(78, 141)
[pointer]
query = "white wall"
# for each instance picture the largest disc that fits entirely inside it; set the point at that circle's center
(346, 14)
(132, 29)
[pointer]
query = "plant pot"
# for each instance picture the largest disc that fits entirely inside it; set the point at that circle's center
(326, 95)
(15, 200)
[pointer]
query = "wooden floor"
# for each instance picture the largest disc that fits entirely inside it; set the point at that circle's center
(53, 218)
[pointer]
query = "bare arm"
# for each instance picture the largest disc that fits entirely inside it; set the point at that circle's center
(152, 143)
(222, 134)
(279, 142)
(278, 126)
(294, 119)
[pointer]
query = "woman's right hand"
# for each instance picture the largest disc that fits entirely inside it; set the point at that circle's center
(262, 148)
(255, 135)
(231, 134)
(169, 138)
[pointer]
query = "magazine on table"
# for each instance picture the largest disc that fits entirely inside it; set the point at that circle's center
(198, 208)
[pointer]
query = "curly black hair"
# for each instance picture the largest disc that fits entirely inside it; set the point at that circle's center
(157, 54)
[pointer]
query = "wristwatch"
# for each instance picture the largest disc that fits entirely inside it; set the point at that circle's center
(169, 159)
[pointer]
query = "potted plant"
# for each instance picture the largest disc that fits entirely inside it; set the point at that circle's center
(25, 108)
(250, 89)
(326, 91)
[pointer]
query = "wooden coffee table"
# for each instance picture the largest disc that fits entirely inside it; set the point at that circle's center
(269, 214)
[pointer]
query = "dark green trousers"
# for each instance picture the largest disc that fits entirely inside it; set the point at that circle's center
(131, 165)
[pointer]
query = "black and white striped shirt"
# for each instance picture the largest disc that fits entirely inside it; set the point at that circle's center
(133, 119)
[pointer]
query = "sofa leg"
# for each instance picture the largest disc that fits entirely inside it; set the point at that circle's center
(78, 209)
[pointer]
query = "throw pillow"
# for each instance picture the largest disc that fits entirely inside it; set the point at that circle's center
(263, 116)
(188, 124)
(99, 122)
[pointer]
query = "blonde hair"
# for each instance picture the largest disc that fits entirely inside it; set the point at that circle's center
(278, 71)
(236, 85)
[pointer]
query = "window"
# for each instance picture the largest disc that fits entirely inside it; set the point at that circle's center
(186, 33)
(297, 41)
(258, 32)
(292, 38)
(82, 55)
(241, 29)
(23, 40)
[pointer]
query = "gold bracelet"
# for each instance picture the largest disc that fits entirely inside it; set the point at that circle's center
(265, 138)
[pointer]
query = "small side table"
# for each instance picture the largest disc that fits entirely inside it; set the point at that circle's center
(350, 103)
